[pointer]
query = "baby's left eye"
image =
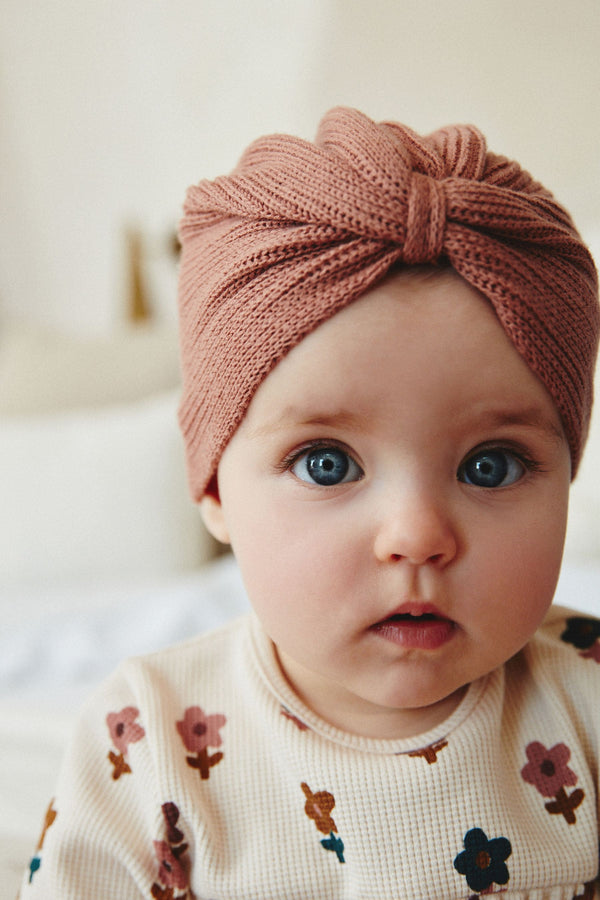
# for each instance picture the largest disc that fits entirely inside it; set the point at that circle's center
(326, 466)
(491, 468)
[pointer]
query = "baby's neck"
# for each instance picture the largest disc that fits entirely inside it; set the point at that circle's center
(341, 709)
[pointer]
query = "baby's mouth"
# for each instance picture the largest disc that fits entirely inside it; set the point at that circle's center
(425, 630)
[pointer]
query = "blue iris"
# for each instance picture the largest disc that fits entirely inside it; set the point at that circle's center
(491, 469)
(327, 466)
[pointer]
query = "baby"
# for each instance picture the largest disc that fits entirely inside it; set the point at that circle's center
(388, 344)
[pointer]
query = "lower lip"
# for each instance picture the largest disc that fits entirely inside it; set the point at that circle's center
(417, 634)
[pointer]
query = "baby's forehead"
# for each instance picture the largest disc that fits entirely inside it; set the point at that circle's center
(410, 303)
(401, 350)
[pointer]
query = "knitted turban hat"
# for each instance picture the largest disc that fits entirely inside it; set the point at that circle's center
(300, 230)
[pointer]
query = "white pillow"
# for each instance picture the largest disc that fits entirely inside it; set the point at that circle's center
(96, 494)
(42, 370)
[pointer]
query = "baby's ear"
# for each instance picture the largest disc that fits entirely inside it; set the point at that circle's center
(212, 516)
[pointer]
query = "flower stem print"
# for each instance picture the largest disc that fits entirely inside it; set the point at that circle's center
(199, 732)
(483, 861)
(123, 730)
(430, 753)
(36, 861)
(548, 772)
(318, 807)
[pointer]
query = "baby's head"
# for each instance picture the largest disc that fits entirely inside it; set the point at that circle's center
(388, 345)
(301, 230)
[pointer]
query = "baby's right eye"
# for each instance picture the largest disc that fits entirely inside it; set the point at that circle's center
(326, 466)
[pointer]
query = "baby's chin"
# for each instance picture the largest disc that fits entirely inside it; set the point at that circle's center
(371, 710)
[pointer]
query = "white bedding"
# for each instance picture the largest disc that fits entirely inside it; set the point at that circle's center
(56, 646)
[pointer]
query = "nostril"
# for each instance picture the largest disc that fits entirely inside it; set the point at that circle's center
(434, 558)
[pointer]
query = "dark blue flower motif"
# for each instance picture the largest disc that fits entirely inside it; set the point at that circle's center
(581, 632)
(482, 862)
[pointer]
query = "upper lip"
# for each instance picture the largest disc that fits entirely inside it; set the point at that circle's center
(415, 608)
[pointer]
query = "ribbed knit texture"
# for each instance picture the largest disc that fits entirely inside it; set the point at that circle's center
(300, 230)
(290, 808)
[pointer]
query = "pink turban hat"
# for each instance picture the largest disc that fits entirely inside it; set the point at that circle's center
(299, 230)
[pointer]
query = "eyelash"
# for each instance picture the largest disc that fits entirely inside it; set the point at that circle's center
(515, 451)
(289, 461)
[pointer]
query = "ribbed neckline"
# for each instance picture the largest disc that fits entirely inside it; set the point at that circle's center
(264, 657)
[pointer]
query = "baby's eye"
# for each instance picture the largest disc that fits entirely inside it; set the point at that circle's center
(326, 466)
(491, 468)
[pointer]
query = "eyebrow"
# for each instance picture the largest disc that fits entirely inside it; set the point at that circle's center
(294, 415)
(528, 418)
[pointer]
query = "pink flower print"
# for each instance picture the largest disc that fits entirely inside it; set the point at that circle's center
(171, 873)
(199, 732)
(123, 730)
(173, 863)
(548, 772)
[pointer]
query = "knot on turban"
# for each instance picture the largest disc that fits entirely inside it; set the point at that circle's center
(425, 220)
(299, 230)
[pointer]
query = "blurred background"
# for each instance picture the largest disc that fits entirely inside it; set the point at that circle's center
(108, 111)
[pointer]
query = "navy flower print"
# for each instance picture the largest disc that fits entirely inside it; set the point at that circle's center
(483, 861)
(581, 632)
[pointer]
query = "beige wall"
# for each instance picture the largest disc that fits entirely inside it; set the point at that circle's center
(110, 109)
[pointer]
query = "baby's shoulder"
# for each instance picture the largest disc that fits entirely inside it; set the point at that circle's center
(566, 649)
(206, 645)
(168, 675)
(566, 631)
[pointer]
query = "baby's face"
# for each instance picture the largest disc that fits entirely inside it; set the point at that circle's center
(396, 498)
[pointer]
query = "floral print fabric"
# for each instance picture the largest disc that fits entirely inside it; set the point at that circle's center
(318, 807)
(317, 813)
(584, 633)
(36, 861)
(123, 730)
(199, 732)
(173, 864)
(548, 772)
(483, 861)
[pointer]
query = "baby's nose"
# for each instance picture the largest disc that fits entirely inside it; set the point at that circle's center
(416, 528)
